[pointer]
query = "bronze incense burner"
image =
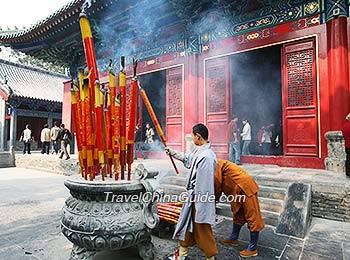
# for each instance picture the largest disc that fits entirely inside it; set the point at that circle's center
(108, 215)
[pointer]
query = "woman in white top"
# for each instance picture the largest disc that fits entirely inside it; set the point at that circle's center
(149, 134)
(246, 137)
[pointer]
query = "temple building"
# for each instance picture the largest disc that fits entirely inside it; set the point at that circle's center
(282, 64)
(28, 95)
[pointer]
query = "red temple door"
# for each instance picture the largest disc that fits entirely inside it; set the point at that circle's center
(300, 121)
(217, 103)
(174, 133)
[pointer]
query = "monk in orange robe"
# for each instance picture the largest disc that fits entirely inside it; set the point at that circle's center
(235, 182)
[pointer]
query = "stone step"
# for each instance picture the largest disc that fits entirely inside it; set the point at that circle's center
(264, 191)
(272, 192)
(270, 218)
(267, 204)
(263, 181)
(272, 205)
(270, 208)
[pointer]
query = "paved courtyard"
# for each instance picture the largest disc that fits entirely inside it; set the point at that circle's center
(30, 208)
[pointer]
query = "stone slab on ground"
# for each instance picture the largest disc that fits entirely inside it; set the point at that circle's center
(274, 246)
(296, 215)
(7, 159)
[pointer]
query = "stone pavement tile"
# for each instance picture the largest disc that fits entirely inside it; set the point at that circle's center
(310, 256)
(162, 249)
(330, 230)
(227, 252)
(267, 237)
(323, 247)
(270, 245)
(346, 251)
(293, 249)
(15, 252)
(130, 254)
(55, 247)
(28, 230)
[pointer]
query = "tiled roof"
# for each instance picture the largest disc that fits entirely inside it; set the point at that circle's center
(30, 82)
(45, 22)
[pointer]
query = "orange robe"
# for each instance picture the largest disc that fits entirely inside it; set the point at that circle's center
(233, 180)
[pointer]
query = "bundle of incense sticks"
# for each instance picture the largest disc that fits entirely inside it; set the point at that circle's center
(99, 113)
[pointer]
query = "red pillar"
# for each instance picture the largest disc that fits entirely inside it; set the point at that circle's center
(191, 96)
(338, 71)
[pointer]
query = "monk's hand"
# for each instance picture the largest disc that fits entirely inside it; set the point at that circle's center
(177, 155)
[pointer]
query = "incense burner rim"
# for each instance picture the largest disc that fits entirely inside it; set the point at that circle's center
(103, 186)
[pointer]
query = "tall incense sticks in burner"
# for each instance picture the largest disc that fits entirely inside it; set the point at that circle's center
(122, 86)
(115, 120)
(107, 129)
(96, 99)
(155, 121)
(132, 118)
(87, 125)
(99, 113)
(76, 110)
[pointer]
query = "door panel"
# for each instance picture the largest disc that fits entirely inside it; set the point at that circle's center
(300, 122)
(174, 133)
(217, 103)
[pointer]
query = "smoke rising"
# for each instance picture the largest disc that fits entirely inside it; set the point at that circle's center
(256, 75)
(257, 89)
(128, 34)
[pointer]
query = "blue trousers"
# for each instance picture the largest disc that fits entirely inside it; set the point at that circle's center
(235, 152)
(245, 149)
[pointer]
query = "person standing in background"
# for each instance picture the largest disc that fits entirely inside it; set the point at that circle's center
(138, 142)
(346, 135)
(54, 134)
(246, 137)
(233, 140)
(27, 137)
(266, 140)
(64, 136)
(149, 134)
(45, 139)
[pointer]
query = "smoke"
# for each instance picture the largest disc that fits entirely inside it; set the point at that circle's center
(256, 81)
(128, 34)
(257, 88)
(137, 29)
(211, 17)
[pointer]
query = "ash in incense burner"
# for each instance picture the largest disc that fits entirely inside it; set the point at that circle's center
(108, 215)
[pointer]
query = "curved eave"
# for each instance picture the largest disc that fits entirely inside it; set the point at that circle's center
(34, 99)
(43, 28)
